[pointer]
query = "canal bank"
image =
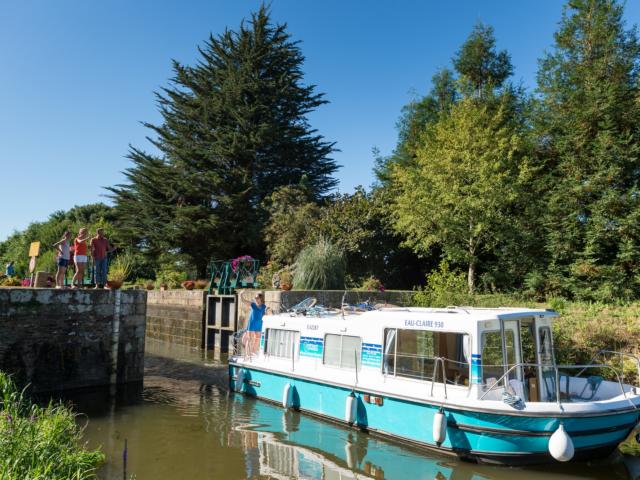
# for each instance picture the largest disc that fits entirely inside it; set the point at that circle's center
(185, 424)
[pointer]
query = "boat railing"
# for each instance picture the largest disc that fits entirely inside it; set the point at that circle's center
(621, 355)
(439, 361)
(416, 366)
(502, 381)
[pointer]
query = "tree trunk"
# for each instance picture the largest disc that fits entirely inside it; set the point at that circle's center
(471, 277)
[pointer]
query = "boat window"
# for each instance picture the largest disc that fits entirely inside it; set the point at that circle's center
(546, 350)
(342, 350)
(281, 343)
(412, 353)
(492, 361)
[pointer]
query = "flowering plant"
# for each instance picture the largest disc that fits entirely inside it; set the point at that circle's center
(246, 259)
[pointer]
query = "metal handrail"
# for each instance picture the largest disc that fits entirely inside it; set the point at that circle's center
(621, 354)
(557, 376)
(439, 360)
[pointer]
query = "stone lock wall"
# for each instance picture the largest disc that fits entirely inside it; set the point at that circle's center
(176, 316)
(64, 339)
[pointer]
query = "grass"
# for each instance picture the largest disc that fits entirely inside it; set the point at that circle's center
(41, 443)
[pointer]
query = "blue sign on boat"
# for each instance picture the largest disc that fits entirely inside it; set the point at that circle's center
(311, 347)
(371, 354)
(476, 368)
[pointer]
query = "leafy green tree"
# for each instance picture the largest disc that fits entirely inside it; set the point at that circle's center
(466, 180)
(588, 126)
(361, 225)
(471, 167)
(414, 118)
(234, 129)
(290, 225)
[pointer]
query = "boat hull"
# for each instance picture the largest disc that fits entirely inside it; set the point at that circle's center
(472, 435)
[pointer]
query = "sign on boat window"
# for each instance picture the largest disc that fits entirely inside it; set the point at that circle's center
(412, 353)
(281, 343)
(342, 351)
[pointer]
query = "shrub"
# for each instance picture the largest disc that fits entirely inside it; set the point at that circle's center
(266, 276)
(41, 443)
(171, 279)
(372, 284)
(320, 267)
(444, 287)
(121, 267)
(10, 282)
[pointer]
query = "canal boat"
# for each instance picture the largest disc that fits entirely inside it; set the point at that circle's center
(480, 384)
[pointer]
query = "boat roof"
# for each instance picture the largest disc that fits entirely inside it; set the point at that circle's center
(467, 315)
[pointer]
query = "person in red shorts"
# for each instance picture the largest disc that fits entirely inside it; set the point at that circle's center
(80, 257)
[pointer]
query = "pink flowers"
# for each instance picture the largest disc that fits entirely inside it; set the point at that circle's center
(236, 262)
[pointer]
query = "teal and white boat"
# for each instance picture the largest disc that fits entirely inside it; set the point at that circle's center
(481, 384)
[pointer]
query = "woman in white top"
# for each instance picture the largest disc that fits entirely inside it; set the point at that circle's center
(64, 255)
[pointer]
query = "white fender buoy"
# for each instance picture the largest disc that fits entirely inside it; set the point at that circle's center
(350, 455)
(439, 427)
(239, 380)
(561, 445)
(287, 396)
(350, 409)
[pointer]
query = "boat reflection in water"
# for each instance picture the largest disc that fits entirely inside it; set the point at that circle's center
(285, 444)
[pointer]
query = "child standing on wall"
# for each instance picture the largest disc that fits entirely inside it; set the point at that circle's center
(251, 338)
(64, 254)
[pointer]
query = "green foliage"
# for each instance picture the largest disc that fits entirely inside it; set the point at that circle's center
(289, 228)
(372, 284)
(121, 267)
(320, 267)
(465, 184)
(10, 282)
(16, 247)
(360, 225)
(478, 62)
(234, 129)
(265, 276)
(170, 278)
(41, 443)
(444, 287)
(588, 120)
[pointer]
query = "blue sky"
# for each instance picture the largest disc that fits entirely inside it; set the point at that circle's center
(77, 78)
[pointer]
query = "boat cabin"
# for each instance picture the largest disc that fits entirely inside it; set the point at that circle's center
(477, 352)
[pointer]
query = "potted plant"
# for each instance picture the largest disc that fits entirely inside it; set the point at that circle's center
(119, 270)
(188, 284)
(149, 285)
(201, 284)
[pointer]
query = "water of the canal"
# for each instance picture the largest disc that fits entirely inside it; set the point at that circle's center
(184, 424)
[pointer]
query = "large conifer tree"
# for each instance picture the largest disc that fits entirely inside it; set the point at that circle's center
(234, 129)
(589, 138)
